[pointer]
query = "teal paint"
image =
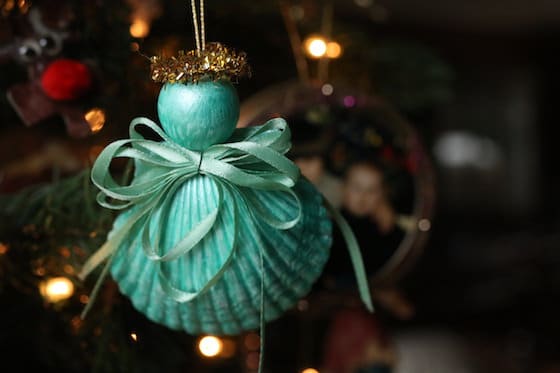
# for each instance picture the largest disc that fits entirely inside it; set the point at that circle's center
(293, 260)
(198, 115)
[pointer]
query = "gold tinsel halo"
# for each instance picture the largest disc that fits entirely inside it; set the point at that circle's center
(215, 62)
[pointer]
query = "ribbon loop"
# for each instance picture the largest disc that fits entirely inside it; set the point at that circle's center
(252, 160)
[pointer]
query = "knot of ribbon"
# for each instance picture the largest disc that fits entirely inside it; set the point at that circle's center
(252, 159)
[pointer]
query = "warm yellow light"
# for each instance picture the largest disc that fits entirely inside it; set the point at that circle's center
(3, 248)
(334, 50)
(315, 46)
(310, 370)
(56, 289)
(134, 337)
(140, 28)
(210, 346)
(9, 5)
(96, 119)
(228, 349)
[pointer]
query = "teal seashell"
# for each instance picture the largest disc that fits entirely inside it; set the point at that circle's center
(293, 260)
(198, 115)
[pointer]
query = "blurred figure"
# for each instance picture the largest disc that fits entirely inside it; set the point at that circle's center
(366, 207)
(313, 168)
(365, 194)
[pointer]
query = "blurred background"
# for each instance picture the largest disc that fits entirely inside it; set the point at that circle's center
(451, 102)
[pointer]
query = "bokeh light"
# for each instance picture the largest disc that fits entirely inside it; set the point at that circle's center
(140, 28)
(56, 289)
(327, 89)
(210, 346)
(334, 50)
(96, 119)
(310, 370)
(315, 46)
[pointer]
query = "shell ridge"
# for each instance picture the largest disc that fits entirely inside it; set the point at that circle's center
(293, 259)
(272, 307)
(231, 324)
(209, 243)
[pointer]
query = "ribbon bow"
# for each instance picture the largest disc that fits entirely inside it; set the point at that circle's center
(252, 159)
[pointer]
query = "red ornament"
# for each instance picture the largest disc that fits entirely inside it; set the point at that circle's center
(65, 80)
(348, 336)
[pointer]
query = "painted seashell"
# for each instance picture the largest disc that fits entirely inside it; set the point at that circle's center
(245, 266)
(293, 259)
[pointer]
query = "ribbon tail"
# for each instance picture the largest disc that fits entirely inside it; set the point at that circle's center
(355, 255)
(96, 289)
(96, 259)
(262, 320)
(106, 251)
(262, 325)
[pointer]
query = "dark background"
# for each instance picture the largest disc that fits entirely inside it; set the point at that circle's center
(490, 271)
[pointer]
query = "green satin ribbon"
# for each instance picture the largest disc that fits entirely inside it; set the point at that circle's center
(252, 159)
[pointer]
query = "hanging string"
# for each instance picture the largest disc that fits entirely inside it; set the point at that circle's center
(199, 32)
(202, 25)
(195, 23)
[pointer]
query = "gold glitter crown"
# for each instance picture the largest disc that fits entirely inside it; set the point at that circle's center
(215, 62)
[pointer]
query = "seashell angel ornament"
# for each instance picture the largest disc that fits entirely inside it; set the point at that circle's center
(219, 233)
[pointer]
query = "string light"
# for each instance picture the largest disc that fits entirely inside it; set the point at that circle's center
(56, 289)
(140, 28)
(3, 248)
(349, 101)
(210, 346)
(134, 337)
(327, 89)
(96, 119)
(424, 225)
(315, 46)
(310, 370)
(334, 50)
(68, 269)
(76, 323)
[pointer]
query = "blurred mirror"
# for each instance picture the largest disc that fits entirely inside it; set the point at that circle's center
(367, 161)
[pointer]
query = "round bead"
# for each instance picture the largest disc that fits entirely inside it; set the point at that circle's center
(197, 115)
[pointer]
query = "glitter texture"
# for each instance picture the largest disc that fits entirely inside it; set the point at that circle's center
(214, 62)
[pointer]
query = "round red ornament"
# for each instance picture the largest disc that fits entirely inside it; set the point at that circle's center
(66, 79)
